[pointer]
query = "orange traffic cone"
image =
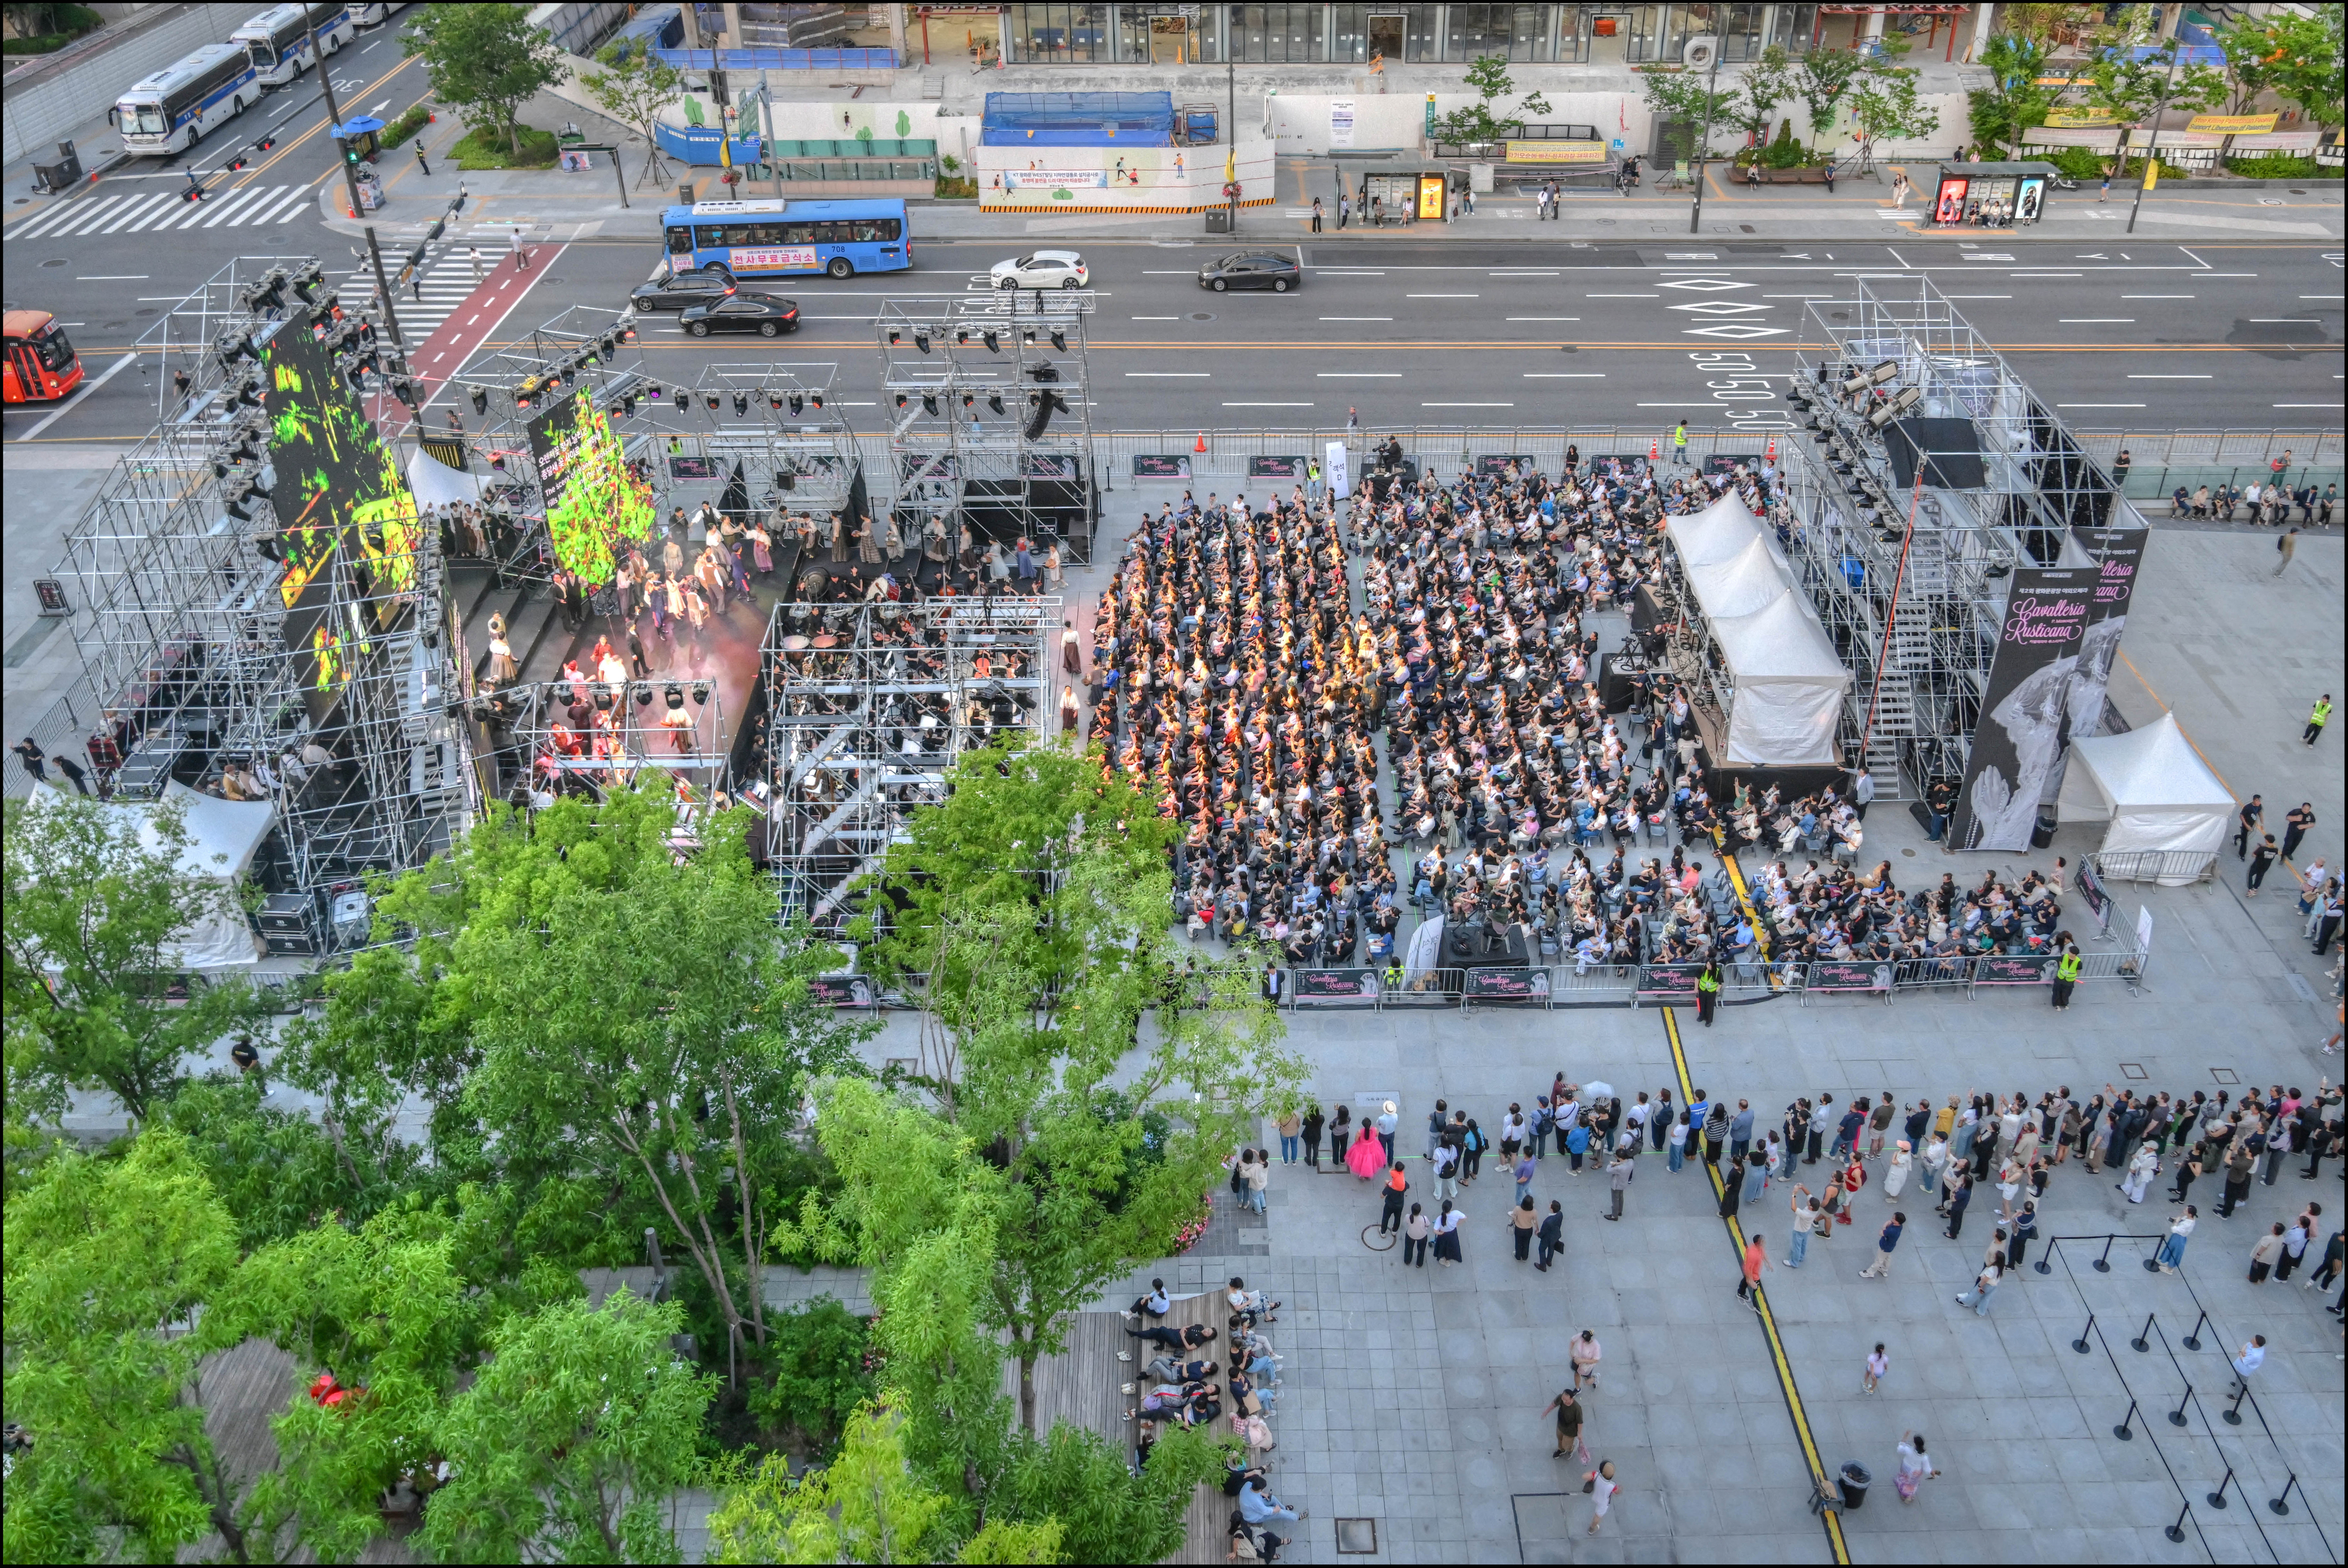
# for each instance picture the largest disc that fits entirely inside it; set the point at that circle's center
(1654, 450)
(1773, 449)
(1202, 442)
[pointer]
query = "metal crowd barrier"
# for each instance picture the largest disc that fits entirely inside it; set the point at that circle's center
(2170, 868)
(1887, 978)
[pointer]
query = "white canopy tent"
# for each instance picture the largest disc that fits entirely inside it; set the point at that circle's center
(2155, 790)
(1789, 680)
(222, 838)
(435, 483)
(1789, 686)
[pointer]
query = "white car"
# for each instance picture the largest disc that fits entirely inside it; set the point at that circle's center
(1043, 269)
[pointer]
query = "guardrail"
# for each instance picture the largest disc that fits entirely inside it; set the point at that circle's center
(2170, 867)
(1887, 978)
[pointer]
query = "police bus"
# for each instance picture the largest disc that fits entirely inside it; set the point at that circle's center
(172, 110)
(773, 239)
(279, 39)
(372, 15)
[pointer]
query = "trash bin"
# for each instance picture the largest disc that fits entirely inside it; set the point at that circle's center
(1218, 219)
(2041, 833)
(1855, 1481)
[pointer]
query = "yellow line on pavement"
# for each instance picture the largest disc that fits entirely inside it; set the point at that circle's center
(1831, 1517)
(285, 152)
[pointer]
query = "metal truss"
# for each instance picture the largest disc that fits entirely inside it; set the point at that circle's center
(990, 415)
(1911, 580)
(867, 706)
(593, 733)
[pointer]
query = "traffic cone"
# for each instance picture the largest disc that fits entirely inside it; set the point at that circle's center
(1202, 442)
(1654, 449)
(1772, 454)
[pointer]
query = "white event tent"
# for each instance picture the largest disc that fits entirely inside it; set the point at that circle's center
(1789, 680)
(2156, 792)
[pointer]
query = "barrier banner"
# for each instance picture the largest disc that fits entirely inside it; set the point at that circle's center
(2014, 969)
(2091, 889)
(2020, 735)
(1668, 979)
(1559, 151)
(1507, 984)
(842, 991)
(1844, 975)
(1338, 984)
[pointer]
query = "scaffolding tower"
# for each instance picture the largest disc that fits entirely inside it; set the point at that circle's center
(867, 707)
(199, 656)
(990, 417)
(1929, 473)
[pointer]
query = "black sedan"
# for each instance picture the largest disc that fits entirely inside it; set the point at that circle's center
(1252, 270)
(694, 285)
(763, 314)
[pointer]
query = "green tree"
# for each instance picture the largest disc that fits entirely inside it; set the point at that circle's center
(571, 1444)
(1825, 76)
(1038, 902)
(385, 1310)
(279, 1171)
(1073, 1477)
(815, 1356)
(1476, 124)
(1886, 107)
(98, 898)
(108, 1263)
(2047, 24)
(1761, 87)
(2136, 91)
(633, 88)
(2297, 57)
(485, 61)
(637, 1024)
(1687, 97)
(2013, 102)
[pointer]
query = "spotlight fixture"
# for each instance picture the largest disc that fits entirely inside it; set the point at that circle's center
(248, 394)
(1059, 340)
(1887, 371)
(921, 339)
(929, 403)
(994, 401)
(797, 404)
(628, 407)
(676, 695)
(683, 402)
(1027, 335)
(902, 399)
(895, 338)
(611, 347)
(969, 399)
(787, 477)
(405, 390)
(711, 399)
(962, 336)
(700, 692)
(643, 697)
(480, 400)
(817, 399)
(741, 403)
(775, 400)
(993, 342)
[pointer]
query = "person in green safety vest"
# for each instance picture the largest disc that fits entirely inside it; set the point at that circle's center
(1679, 444)
(2318, 718)
(1394, 974)
(2067, 973)
(1707, 993)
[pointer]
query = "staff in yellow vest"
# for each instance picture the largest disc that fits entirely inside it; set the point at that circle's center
(2067, 973)
(2317, 718)
(1707, 993)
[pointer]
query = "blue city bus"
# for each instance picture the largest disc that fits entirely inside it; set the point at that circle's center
(774, 239)
(169, 112)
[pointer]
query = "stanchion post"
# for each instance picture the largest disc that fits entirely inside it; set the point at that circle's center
(2125, 1432)
(2143, 1341)
(2046, 1263)
(2232, 1414)
(2280, 1502)
(2080, 1343)
(2193, 1340)
(2176, 1530)
(2218, 1498)
(2104, 1263)
(2176, 1416)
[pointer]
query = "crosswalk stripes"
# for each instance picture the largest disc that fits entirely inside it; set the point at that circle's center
(448, 282)
(153, 211)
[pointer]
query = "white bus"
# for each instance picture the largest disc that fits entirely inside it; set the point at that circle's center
(279, 39)
(373, 15)
(169, 112)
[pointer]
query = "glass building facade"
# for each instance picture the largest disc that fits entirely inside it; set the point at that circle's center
(1063, 34)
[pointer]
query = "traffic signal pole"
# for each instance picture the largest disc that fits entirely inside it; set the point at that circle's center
(351, 183)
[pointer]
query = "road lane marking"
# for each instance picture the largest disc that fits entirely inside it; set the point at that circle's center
(62, 409)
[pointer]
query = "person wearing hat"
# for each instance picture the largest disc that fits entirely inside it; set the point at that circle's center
(1388, 1119)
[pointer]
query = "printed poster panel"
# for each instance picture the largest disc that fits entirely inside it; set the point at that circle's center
(2020, 737)
(2014, 969)
(1341, 122)
(1949, 205)
(1337, 986)
(1557, 153)
(1051, 179)
(771, 258)
(2116, 554)
(1333, 465)
(1509, 985)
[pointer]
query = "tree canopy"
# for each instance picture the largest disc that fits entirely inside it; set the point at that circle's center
(485, 61)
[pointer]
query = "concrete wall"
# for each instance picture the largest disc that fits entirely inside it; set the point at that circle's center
(44, 106)
(1154, 179)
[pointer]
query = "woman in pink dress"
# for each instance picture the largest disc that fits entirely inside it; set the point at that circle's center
(1368, 1157)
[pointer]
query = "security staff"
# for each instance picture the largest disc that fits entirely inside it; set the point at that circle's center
(2318, 718)
(1707, 993)
(1679, 444)
(2066, 975)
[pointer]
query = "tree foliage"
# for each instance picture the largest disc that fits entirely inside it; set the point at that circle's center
(2013, 102)
(1885, 105)
(108, 1265)
(633, 88)
(572, 1443)
(817, 1375)
(1478, 124)
(2136, 89)
(1825, 77)
(98, 896)
(2297, 57)
(485, 61)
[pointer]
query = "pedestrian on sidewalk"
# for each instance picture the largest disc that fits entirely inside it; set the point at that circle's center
(2318, 718)
(1900, 190)
(1552, 1236)
(1568, 1427)
(2284, 548)
(1415, 1232)
(1586, 1353)
(2246, 822)
(1618, 1179)
(2104, 191)
(1600, 1484)
(1885, 1243)
(1291, 1127)
(1748, 1276)
(2180, 1231)
(1961, 1195)
(1313, 1123)
(1522, 1220)
(1316, 215)
(1345, 210)
(419, 156)
(1878, 1365)
(1446, 1234)
(2253, 1355)
(1397, 1187)
(2262, 857)
(1914, 1468)
(2263, 1253)
(1984, 1287)
(1807, 1216)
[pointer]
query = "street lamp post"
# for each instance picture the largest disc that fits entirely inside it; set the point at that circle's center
(351, 183)
(2152, 147)
(1711, 96)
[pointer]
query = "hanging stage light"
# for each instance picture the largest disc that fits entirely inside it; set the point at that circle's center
(921, 338)
(818, 397)
(1059, 340)
(700, 692)
(929, 403)
(993, 342)
(994, 401)
(775, 400)
(712, 401)
(969, 399)
(480, 400)
(798, 404)
(962, 336)
(894, 337)
(902, 401)
(683, 402)
(741, 403)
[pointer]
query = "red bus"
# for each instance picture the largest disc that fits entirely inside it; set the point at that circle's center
(41, 364)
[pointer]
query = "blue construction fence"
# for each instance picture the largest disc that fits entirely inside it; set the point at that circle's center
(880, 59)
(698, 146)
(1079, 119)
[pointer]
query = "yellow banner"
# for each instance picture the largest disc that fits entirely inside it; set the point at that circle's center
(2078, 114)
(1557, 153)
(2233, 124)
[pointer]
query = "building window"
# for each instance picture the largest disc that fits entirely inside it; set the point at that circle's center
(1657, 34)
(1279, 34)
(1568, 44)
(1512, 32)
(1743, 30)
(1795, 26)
(1422, 39)
(1056, 33)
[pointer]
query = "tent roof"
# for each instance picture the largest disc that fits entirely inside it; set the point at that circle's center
(1748, 581)
(1718, 533)
(2153, 768)
(435, 483)
(1782, 641)
(222, 835)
